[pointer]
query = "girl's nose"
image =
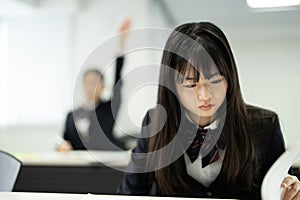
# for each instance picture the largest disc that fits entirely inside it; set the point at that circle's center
(202, 92)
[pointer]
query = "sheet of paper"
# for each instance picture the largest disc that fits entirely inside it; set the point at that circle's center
(271, 184)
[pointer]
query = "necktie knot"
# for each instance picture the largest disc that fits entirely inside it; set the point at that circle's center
(199, 138)
(208, 141)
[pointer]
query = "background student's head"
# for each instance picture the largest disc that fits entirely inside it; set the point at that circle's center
(93, 85)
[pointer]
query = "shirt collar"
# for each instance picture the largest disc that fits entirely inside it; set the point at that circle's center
(213, 125)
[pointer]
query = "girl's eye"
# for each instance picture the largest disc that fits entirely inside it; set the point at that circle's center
(189, 82)
(215, 80)
(189, 86)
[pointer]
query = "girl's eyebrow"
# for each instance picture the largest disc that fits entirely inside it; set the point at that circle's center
(209, 76)
(213, 74)
(216, 73)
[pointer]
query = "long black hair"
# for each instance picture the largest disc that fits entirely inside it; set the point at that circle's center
(240, 160)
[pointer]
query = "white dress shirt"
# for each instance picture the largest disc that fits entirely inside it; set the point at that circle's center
(208, 174)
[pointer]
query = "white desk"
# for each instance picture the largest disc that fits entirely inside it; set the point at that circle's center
(39, 196)
(75, 158)
(57, 196)
(72, 172)
(75, 172)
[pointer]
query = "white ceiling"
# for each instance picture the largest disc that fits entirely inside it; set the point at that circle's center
(236, 17)
(14, 8)
(229, 12)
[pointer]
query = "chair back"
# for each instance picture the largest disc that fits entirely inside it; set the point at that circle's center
(271, 184)
(9, 170)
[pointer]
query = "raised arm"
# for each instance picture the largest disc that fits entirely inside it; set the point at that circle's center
(119, 65)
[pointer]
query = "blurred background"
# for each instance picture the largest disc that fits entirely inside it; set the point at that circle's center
(43, 44)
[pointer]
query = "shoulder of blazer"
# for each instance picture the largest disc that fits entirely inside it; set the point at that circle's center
(261, 122)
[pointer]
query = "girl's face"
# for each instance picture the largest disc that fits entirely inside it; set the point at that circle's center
(201, 96)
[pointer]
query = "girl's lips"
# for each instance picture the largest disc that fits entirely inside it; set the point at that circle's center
(206, 107)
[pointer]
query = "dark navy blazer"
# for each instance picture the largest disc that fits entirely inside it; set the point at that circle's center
(265, 131)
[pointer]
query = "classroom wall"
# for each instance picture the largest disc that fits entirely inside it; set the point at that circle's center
(269, 78)
(268, 65)
(36, 94)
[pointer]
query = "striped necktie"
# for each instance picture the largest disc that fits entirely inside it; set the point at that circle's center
(205, 141)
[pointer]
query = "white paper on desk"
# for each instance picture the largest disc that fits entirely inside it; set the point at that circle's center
(117, 197)
(122, 197)
(272, 181)
(121, 158)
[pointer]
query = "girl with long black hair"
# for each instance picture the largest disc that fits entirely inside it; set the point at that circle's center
(203, 140)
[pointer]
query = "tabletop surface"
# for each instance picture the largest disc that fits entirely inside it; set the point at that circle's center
(62, 196)
(74, 158)
(81, 158)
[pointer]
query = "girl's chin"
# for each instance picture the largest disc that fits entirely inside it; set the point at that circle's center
(198, 116)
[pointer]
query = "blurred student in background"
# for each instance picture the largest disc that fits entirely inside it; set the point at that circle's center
(91, 126)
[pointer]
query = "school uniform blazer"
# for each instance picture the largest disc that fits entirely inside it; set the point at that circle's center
(265, 131)
(102, 121)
